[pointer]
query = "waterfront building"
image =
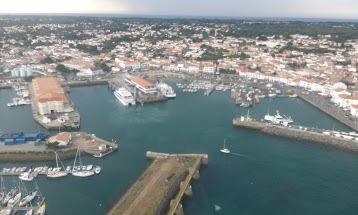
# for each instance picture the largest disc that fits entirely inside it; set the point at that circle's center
(142, 85)
(63, 138)
(129, 65)
(50, 96)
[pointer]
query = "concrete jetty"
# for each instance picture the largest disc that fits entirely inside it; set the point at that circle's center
(89, 144)
(160, 188)
(327, 138)
(211, 89)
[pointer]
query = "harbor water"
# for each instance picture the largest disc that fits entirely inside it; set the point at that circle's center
(262, 175)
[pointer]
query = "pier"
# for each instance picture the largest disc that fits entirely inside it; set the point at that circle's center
(211, 89)
(338, 140)
(161, 187)
(89, 144)
(14, 210)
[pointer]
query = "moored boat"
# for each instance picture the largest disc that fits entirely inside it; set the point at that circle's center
(8, 196)
(41, 210)
(97, 170)
(124, 96)
(15, 200)
(27, 199)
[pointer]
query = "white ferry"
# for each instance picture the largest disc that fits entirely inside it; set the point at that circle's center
(166, 90)
(124, 96)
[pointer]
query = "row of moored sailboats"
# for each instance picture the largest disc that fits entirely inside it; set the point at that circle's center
(56, 172)
(18, 196)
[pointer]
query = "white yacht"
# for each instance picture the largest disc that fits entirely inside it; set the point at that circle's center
(166, 90)
(28, 198)
(9, 195)
(278, 119)
(41, 210)
(78, 171)
(14, 201)
(225, 150)
(124, 96)
(27, 176)
(293, 96)
(56, 173)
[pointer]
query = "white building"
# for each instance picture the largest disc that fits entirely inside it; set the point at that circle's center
(130, 64)
(63, 138)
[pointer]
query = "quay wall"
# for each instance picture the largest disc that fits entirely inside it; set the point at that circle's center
(337, 116)
(86, 83)
(47, 155)
(313, 137)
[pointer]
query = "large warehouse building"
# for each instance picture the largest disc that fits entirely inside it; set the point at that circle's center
(50, 96)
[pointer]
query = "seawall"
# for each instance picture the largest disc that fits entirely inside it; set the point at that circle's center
(335, 114)
(297, 134)
(47, 155)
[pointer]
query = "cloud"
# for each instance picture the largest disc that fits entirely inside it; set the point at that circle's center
(235, 8)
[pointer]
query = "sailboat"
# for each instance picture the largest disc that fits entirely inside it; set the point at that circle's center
(225, 150)
(28, 198)
(79, 170)
(57, 174)
(41, 210)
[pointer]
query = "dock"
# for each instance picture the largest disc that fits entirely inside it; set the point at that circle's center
(89, 144)
(211, 89)
(161, 187)
(334, 139)
(72, 119)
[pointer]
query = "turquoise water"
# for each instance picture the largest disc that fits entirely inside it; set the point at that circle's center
(263, 175)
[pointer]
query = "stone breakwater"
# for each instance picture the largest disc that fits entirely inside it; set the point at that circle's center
(163, 206)
(48, 155)
(313, 137)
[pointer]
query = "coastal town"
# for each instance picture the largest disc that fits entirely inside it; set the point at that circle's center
(43, 57)
(85, 52)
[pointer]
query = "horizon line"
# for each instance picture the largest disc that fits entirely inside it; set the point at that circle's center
(133, 15)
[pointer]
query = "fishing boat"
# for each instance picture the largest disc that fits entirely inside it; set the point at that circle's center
(28, 198)
(56, 172)
(41, 210)
(225, 150)
(80, 171)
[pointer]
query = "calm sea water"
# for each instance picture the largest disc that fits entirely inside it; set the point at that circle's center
(263, 175)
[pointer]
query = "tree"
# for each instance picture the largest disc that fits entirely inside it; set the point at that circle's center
(105, 67)
(47, 60)
(54, 145)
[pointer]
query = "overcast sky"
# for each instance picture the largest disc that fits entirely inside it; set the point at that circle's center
(232, 8)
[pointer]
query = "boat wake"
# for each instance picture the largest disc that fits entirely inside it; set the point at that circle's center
(241, 155)
(217, 207)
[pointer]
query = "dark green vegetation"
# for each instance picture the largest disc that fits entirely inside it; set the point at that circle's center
(78, 28)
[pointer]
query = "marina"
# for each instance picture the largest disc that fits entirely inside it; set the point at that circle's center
(262, 158)
(19, 199)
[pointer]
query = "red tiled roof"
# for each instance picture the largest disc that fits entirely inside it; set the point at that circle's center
(141, 81)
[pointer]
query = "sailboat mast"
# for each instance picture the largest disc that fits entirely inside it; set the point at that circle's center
(56, 159)
(73, 167)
